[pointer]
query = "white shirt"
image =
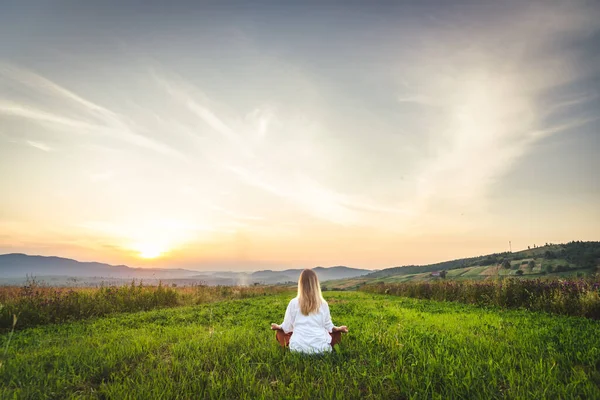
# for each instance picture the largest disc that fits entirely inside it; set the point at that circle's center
(311, 332)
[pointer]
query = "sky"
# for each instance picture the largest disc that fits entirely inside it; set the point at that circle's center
(230, 136)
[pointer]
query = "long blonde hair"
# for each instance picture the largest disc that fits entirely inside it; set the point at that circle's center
(309, 292)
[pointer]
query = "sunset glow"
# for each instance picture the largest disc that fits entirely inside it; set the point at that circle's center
(149, 251)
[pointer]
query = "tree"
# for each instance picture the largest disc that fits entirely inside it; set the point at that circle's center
(519, 272)
(489, 260)
(443, 274)
(506, 264)
(531, 265)
(549, 255)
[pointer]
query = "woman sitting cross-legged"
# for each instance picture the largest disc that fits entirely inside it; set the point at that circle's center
(307, 317)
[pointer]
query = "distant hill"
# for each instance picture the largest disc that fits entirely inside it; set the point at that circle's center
(292, 275)
(15, 267)
(577, 253)
(553, 260)
(20, 265)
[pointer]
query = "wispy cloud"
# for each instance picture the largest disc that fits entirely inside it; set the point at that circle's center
(182, 92)
(261, 119)
(416, 99)
(311, 197)
(572, 101)
(39, 145)
(95, 118)
(27, 112)
(252, 159)
(489, 105)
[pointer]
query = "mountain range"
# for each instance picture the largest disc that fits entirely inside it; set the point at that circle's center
(16, 267)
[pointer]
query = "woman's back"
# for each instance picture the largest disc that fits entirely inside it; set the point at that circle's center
(307, 325)
(311, 332)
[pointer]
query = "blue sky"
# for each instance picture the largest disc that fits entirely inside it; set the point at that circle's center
(236, 136)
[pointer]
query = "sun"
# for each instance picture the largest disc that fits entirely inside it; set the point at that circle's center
(150, 251)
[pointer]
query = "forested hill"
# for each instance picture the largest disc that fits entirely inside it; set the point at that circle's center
(582, 254)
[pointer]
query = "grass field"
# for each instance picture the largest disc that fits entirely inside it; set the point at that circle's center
(396, 348)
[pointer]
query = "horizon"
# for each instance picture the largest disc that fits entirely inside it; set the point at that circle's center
(285, 269)
(193, 270)
(243, 138)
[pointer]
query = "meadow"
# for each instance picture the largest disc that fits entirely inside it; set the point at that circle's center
(396, 348)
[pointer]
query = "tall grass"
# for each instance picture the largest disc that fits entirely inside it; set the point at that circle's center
(580, 297)
(37, 304)
(397, 348)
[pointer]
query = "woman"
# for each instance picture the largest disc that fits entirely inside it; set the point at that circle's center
(307, 316)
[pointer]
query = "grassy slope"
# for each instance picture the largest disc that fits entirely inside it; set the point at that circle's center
(397, 348)
(471, 273)
(473, 270)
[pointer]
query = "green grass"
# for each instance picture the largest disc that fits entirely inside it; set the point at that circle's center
(475, 271)
(396, 348)
(453, 273)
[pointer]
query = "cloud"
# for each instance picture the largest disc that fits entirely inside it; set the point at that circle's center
(180, 92)
(416, 99)
(261, 119)
(492, 83)
(251, 157)
(94, 118)
(39, 145)
(17, 110)
(573, 101)
(304, 192)
(40, 83)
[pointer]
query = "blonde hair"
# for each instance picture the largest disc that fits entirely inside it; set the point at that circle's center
(309, 292)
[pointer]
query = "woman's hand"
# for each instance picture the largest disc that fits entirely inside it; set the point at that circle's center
(275, 327)
(343, 329)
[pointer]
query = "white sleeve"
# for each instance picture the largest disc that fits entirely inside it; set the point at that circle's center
(327, 317)
(290, 316)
